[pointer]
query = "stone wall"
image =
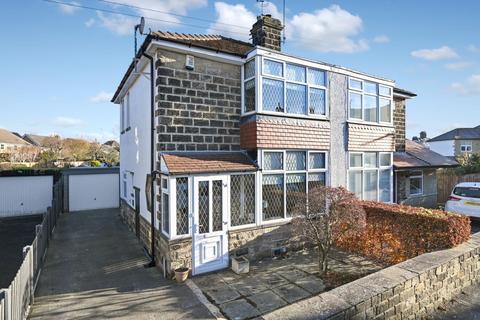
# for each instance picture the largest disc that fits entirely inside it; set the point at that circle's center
(198, 109)
(399, 122)
(410, 290)
(458, 143)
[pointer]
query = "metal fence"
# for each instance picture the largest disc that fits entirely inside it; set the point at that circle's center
(15, 300)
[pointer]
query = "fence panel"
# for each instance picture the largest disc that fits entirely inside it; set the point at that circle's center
(16, 299)
(446, 181)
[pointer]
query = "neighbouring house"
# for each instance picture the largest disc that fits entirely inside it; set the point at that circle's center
(457, 142)
(415, 174)
(35, 139)
(236, 129)
(9, 142)
(113, 144)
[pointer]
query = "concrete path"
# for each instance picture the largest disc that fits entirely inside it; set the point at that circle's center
(94, 270)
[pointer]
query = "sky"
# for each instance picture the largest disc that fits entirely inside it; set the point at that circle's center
(60, 65)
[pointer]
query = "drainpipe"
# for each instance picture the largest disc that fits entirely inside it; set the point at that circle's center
(153, 172)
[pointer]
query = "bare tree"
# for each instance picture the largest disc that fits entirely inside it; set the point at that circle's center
(76, 149)
(329, 214)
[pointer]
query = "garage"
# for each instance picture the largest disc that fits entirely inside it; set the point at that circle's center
(92, 188)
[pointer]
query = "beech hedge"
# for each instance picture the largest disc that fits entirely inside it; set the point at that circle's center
(395, 233)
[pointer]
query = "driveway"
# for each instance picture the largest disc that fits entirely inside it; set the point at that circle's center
(15, 233)
(94, 270)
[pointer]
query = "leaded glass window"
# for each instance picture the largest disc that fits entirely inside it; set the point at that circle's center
(249, 91)
(296, 98)
(217, 205)
(295, 73)
(242, 199)
(316, 180)
(203, 207)
(165, 213)
(273, 197)
(249, 69)
(295, 160)
(317, 101)
(316, 77)
(296, 188)
(273, 161)
(317, 160)
(182, 205)
(272, 68)
(273, 95)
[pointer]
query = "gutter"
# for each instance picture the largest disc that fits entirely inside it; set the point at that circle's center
(153, 173)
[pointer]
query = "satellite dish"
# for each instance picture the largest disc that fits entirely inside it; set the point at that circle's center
(141, 26)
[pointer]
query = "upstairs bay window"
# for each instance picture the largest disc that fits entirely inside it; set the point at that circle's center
(370, 175)
(287, 177)
(284, 88)
(369, 101)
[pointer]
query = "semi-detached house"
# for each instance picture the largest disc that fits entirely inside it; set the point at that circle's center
(237, 129)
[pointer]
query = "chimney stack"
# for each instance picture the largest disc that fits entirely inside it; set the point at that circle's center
(267, 32)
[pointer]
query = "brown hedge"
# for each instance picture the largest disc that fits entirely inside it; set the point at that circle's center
(395, 233)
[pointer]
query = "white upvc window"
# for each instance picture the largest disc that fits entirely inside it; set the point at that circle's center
(275, 86)
(285, 174)
(370, 175)
(466, 146)
(2, 146)
(165, 210)
(369, 101)
(416, 183)
(125, 113)
(124, 186)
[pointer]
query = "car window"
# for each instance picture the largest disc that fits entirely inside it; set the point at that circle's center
(470, 192)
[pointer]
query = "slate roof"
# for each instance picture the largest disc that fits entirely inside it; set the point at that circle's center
(459, 133)
(203, 162)
(419, 156)
(8, 137)
(35, 139)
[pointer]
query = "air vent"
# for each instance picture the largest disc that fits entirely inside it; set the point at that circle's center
(190, 62)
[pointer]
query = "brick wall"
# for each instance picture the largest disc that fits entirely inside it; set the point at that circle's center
(399, 123)
(284, 133)
(197, 110)
(410, 290)
(362, 137)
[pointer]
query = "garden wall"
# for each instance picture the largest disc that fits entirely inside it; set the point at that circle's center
(410, 290)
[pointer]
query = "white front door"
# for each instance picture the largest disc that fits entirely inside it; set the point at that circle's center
(210, 220)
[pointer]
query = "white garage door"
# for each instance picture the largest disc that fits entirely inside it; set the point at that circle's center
(93, 191)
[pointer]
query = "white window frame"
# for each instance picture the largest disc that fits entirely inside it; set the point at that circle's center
(249, 225)
(165, 190)
(416, 176)
(2, 146)
(378, 168)
(127, 124)
(172, 185)
(285, 172)
(260, 75)
(467, 146)
(363, 94)
(124, 185)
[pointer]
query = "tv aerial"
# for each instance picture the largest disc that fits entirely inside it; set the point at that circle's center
(140, 29)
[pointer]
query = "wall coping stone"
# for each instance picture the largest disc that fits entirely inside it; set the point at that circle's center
(372, 296)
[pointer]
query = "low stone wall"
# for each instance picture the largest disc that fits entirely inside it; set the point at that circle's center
(410, 290)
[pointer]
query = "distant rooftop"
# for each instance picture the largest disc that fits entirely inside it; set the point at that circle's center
(458, 134)
(11, 138)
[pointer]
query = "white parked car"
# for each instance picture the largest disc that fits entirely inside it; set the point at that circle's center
(465, 199)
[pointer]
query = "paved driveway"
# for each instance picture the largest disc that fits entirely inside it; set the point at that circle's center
(94, 270)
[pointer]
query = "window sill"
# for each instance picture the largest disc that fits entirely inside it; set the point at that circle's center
(288, 115)
(386, 125)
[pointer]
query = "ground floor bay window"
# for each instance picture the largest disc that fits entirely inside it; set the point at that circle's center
(286, 175)
(370, 175)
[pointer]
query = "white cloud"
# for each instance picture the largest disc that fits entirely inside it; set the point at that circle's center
(269, 8)
(470, 87)
(67, 122)
(102, 97)
(234, 20)
(69, 9)
(123, 25)
(381, 39)
(441, 53)
(473, 48)
(90, 22)
(330, 29)
(458, 65)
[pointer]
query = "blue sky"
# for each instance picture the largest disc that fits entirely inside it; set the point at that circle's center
(60, 65)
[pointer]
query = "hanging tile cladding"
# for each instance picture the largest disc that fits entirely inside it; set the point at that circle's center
(197, 110)
(260, 131)
(362, 137)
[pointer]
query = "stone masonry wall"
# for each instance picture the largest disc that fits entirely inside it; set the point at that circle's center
(410, 290)
(399, 123)
(197, 110)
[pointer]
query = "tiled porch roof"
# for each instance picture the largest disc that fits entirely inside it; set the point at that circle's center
(207, 162)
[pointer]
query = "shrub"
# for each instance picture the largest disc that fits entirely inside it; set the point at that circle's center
(395, 233)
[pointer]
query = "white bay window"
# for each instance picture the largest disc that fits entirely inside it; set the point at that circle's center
(369, 101)
(287, 177)
(370, 175)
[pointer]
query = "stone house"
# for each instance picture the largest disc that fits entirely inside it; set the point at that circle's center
(10, 142)
(457, 142)
(228, 131)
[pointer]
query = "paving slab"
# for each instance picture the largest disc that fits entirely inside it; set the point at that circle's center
(312, 284)
(250, 285)
(222, 294)
(239, 310)
(291, 292)
(273, 279)
(267, 301)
